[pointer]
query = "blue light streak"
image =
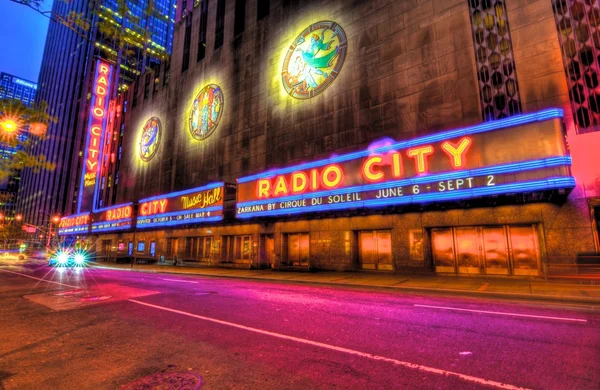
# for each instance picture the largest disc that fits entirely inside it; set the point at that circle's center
(552, 113)
(520, 187)
(493, 170)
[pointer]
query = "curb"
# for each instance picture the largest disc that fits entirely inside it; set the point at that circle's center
(486, 294)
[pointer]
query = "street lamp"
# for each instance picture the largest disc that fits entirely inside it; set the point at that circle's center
(54, 220)
(9, 125)
(18, 217)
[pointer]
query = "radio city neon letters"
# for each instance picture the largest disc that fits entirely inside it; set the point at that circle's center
(153, 207)
(119, 213)
(79, 220)
(331, 176)
(98, 113)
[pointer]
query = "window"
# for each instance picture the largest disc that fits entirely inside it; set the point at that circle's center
(167, 72)
(130, 248)
(240, 17)
(186, 44)
(220, 25)
(157, 79)
(577, 23)
(498, 89)
(152, 248)
(263, 8)
(202, 31)
(147, 86)
(141, 246)
(135, 92)
(242, 248)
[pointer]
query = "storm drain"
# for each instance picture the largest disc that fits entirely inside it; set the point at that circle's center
(167, 381)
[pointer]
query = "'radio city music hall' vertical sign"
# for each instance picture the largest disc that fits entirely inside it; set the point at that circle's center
(100, 95)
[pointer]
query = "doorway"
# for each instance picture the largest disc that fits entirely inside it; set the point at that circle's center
(375, 250)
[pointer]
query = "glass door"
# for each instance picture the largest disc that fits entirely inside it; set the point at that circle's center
(442, 241)
(468, 255)
(495, 250)
(523, 242)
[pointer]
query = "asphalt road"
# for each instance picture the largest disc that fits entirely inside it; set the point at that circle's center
(104, 329)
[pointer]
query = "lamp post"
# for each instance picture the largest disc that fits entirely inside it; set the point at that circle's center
(54, 220)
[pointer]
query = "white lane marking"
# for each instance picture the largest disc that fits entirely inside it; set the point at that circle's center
(179, 280)
(43, 280)
(503, 313)
(339, 349)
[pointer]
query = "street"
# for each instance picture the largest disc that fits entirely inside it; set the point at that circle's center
(105, 329)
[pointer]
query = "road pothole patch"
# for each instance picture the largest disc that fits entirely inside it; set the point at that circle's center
(83, 297)
(166, 380)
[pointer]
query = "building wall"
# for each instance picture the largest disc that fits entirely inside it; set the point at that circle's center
(410, 70)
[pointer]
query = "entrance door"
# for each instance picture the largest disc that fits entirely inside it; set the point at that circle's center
(375, 250)
(495, 250)
(490, 250)
(524, 250)
(468, 255)
(298, 249)
(443, 250)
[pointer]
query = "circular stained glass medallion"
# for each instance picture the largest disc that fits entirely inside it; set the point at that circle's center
(206, 111)
(314, 59)
(150, 139)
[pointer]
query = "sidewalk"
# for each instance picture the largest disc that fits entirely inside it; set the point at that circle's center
(573, 291)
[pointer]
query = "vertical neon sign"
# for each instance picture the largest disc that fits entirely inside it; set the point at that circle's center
(93, 146)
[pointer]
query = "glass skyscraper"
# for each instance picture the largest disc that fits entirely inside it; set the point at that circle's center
(65, 84)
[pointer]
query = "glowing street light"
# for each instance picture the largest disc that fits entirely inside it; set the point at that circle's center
(18, 217)
(9, 125)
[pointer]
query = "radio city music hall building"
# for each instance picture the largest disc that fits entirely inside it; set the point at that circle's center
(457, 137)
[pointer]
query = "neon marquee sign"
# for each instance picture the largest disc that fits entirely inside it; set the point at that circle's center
(114, 218)
(519, 154)
(74, 224)
(197, 205)
(96, 124)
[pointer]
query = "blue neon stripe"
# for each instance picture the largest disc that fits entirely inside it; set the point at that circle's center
(184, 192)
(516, 120)
(77, 215)
(181, 222)
(537, 185)
(113, 207)
(493, 170)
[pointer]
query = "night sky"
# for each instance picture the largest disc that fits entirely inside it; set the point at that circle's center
(22, 36)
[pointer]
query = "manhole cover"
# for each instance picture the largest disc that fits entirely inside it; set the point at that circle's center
(167, 381)
(92, 298)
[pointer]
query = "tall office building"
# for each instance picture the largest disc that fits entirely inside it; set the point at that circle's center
(65, 83)
(13, 87)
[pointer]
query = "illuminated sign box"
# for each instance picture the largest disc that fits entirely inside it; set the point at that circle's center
(524, 153)
(114, 218)
(196, 205)
(100, 95)
(74, 224)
